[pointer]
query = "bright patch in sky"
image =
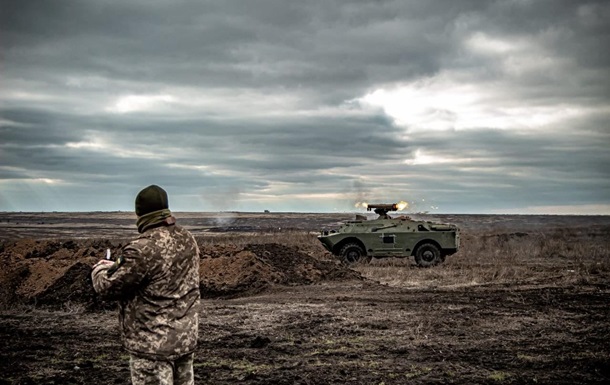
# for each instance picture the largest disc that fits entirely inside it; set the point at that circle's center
(486, 44)
(44, 181)
(93, 145)
(135, 103)
(443, 102)
(421, 158)
(117, 149)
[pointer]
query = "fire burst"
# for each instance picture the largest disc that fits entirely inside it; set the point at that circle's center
(402, 205)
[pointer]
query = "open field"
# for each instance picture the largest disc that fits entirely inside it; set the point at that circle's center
(525, 300)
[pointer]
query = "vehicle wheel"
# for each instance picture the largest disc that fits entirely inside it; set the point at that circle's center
(353, 254)
(428, 255)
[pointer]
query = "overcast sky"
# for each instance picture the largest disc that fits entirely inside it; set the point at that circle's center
(453, 106)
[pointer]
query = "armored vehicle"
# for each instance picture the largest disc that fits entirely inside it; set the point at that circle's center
(360, 240)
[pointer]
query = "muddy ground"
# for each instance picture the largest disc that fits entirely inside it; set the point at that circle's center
(286, 314)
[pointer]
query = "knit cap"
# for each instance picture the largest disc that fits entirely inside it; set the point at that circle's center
(152, 198)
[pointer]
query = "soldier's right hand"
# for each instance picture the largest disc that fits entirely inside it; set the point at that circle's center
(103, 262)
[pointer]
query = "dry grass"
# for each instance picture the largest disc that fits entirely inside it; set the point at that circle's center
(518, 258)
(564, 256)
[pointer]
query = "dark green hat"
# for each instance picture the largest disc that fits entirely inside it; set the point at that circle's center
(152, 198)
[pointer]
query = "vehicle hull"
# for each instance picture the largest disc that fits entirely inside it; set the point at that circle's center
(392, 237)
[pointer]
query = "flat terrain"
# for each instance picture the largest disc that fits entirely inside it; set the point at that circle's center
(525, 300)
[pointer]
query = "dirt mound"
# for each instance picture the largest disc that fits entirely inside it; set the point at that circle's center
(259, 266)
(49, 272)
(56, 273)
(72, 286)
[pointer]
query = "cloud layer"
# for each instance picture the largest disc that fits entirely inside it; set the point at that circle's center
(465, 106)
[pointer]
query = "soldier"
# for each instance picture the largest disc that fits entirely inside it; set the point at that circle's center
(156, 281)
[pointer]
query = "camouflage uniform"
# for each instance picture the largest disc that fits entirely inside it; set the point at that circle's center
(156, 280)
(144, 371)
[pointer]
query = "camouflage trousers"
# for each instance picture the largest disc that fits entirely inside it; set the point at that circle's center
(153, 372)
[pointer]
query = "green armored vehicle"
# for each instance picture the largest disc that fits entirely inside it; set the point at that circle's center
(360, 240)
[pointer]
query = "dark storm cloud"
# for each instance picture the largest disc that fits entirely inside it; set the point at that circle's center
(336, 46)
(262, 101)
(30, 127)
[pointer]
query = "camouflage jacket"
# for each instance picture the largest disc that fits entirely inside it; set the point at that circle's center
(156, 280)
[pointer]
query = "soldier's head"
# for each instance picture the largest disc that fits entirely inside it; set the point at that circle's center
(152, 198)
